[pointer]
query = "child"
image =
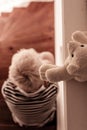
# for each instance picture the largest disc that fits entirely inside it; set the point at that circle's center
(31, 102)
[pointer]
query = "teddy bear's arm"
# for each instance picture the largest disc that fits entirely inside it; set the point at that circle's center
(57, 74)
(43, 69)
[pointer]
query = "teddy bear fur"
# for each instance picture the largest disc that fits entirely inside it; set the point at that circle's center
(24, 68)
(75, 65)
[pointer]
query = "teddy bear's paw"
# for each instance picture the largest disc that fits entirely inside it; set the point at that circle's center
(43, 69)
(52, 77)
(42, 76)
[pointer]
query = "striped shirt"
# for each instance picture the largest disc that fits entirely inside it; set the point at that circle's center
(30, 109)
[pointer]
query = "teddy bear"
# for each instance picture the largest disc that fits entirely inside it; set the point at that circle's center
(32, 102)
(75, 65)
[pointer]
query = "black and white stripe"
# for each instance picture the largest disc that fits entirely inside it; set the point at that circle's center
(31, 109)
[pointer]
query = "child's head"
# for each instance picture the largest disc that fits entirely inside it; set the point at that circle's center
(24, 69)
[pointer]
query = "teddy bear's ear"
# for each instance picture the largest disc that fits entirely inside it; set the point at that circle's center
(80, 36)
(72, 45)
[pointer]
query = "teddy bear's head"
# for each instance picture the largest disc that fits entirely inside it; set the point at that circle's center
(75, 65)
(24, 67)
(77, 58)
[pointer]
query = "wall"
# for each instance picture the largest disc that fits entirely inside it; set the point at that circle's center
(75, 18)
(31, 27)
(72, 96)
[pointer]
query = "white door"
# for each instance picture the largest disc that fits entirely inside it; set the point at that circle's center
(70, 15)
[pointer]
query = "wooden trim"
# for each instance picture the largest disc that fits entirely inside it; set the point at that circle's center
(59, 40)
